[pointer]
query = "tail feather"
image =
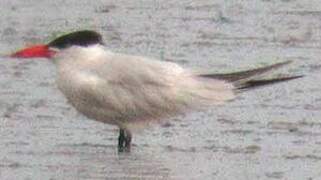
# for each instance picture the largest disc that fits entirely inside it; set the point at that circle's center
(263, 82)
(236, 76)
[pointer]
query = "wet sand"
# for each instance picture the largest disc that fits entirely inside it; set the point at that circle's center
(267, 133)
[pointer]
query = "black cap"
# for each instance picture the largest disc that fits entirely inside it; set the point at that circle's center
(78, 38)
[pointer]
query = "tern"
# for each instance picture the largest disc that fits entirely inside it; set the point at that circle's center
(129, 91)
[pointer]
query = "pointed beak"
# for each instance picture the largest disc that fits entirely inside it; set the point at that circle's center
(36, 51)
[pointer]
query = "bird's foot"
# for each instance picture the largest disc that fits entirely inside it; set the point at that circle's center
(124, 140)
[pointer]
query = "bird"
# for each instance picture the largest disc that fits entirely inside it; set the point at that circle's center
(131, 91)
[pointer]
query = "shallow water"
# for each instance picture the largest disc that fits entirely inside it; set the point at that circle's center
(267, 133)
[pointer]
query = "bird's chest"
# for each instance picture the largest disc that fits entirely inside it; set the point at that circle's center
(75, 83)
(81, 90)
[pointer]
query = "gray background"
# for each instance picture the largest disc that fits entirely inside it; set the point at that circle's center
(268, 133)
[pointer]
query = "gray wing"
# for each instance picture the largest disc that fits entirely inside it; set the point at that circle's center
(130, 87)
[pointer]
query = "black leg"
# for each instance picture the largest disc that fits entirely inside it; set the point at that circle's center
(124, 140)
(121, 140)
(128, 140)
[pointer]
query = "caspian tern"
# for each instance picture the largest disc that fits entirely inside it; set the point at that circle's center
(127, 91)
